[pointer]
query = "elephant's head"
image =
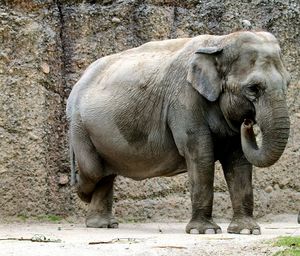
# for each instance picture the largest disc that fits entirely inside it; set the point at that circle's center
(245, 73)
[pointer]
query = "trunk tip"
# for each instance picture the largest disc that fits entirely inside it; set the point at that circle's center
(248, 123)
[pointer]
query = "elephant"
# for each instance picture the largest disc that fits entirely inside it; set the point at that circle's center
(179, 105)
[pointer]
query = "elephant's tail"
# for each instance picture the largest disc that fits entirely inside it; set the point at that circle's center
(73, 166)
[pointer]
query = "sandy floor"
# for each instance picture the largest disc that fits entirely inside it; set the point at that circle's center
(137, 239)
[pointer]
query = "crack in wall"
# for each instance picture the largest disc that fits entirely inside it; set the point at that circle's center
(57, 142)
(173, 32)
(63, 45)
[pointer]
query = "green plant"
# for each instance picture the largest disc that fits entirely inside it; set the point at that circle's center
(22, 217)
(54, 218)
(291, 244)
(50, 217)
(288, 252)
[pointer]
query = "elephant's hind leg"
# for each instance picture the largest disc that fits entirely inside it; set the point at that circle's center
(94, 186)
(88, 160)
(100, 209)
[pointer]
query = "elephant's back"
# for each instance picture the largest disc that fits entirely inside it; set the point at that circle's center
(128, 78)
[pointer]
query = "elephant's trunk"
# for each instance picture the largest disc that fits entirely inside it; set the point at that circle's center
(273, 121)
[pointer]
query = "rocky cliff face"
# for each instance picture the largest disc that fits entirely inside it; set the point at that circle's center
(47, 44)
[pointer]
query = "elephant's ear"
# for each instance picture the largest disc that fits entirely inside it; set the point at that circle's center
(203, 74)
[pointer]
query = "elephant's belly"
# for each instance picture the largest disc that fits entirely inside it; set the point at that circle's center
(156, 156)
(139, 168)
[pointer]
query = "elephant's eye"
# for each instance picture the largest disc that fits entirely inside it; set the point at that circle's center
(254, 89)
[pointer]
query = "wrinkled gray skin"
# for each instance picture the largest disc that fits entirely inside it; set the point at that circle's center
(180, 105)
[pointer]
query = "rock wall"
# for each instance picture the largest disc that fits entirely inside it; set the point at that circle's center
(47, 44)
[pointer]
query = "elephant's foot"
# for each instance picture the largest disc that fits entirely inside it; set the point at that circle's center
(203, 226)
(244, 225)
(98, 221)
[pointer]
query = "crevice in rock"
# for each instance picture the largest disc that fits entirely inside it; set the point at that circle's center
(63, 45)
(173, 33)
(56, 144)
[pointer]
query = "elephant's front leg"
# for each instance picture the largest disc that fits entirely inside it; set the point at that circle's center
(200, 164)
(238, 175)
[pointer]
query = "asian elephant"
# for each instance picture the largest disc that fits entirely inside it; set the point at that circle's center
(176, 106)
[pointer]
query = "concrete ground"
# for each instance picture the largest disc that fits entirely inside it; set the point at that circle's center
(143, 239)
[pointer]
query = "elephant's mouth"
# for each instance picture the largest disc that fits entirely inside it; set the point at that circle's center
(248, 121)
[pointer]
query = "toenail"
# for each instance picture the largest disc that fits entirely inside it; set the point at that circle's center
(245, 231)
(256, 232)
(210, 231)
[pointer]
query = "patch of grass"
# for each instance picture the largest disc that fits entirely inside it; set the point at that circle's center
(288, 241)
(288, 252)
(54, 218)
(22, 217)
(291, 243)
(50, 217)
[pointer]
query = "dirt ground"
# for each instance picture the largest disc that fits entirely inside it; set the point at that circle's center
(36, 239)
